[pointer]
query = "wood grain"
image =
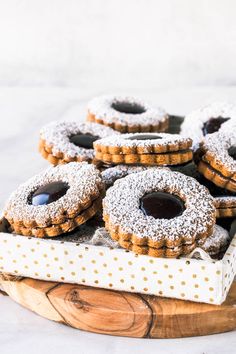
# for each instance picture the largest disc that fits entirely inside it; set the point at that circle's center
(121, 313)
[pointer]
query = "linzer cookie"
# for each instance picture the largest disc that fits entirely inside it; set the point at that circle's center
(216, 159)
(217, 243)
(159, 212)
(144, 148)
(63, 142)
(209, 119)
(127, 114)
(55, 201)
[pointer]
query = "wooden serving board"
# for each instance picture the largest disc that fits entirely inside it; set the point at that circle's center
(120, 313)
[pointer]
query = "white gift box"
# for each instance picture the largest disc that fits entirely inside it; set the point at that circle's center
(115, 268)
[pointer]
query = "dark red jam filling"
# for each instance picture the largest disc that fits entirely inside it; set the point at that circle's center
(49, 193)
(162, 205)
(83, 140)
(213, 125)
(127, 107)
(145, 137)
(232, 152)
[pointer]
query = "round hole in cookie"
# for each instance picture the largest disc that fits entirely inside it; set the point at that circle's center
(48, 193)
(128, 107)
(213, 125)
(232, 152)
(83, 140)
(144, 137)
(162, 205)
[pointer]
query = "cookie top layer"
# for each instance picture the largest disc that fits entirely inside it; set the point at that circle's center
(126, 111)
(226, 201)
(145, 142)
(193, 125)
(57, 135)
(122, 206)
(84, 185)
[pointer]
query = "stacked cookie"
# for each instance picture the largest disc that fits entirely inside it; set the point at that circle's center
(56, 201)
(145, 149)
(163, 194)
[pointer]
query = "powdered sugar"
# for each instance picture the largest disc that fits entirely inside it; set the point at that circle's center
(102, 108)
(228, 201)
(57, 135)
(122, 204)
(194, 121)
(164, 140)
(83, 179)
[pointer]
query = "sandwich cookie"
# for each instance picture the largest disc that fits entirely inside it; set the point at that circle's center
(207, 120)
(55, 201)
(159, 212)
(216, 159)
(127, 114)
(63, 142)
(145, 149)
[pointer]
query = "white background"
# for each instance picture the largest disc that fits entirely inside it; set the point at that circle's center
(119, 43)
(55, 55)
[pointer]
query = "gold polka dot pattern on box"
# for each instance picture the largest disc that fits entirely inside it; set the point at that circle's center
(100, 266)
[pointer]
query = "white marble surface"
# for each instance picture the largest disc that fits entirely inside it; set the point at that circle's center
(22, 112)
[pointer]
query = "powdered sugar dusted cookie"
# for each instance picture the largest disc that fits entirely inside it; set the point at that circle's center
(217, 242)
(217, 159)
(159, 212)
(207, 120)
(127, 114)
(144, 148)
(55, 201)
(63, 142)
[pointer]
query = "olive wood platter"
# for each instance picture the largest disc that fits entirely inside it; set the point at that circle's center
(120, 313)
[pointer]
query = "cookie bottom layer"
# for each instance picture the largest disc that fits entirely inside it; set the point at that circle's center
(175, 158)
(58, 229)
(160, 127)
(146, 245)
(158, 252)
(216, 177)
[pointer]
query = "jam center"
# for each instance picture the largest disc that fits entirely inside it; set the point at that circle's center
(213, 125)
(232, 152)
(127, 107)
(83, 140)
(49, 193)
(162, 205)
(144, 137)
